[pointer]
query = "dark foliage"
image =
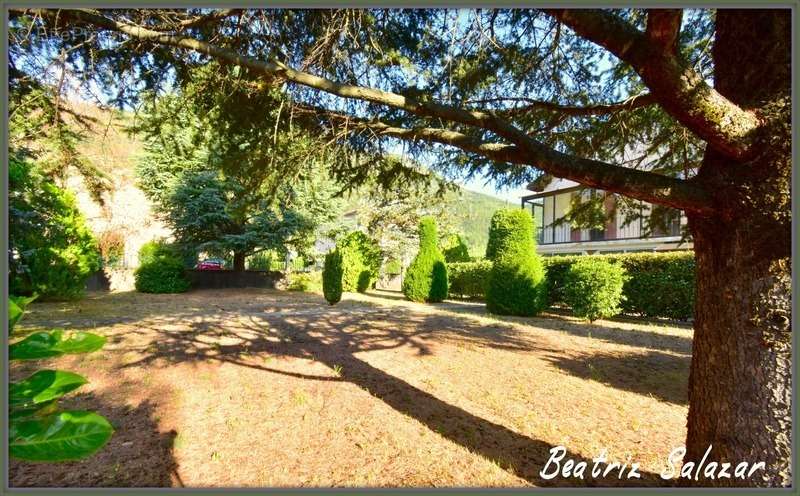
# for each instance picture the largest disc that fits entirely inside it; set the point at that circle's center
(332, 277)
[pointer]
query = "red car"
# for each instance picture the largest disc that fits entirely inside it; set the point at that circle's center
(211, 264)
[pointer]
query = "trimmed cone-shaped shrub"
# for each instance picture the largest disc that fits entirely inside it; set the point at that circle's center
(332, 277)
(593, 288)
(426, 277)
(516, 282)
(456, 250)
(494, 238)
(361, 261)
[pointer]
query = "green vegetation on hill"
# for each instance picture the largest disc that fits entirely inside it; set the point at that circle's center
(473, 212)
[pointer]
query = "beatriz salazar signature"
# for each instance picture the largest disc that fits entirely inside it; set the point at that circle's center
(556, 466)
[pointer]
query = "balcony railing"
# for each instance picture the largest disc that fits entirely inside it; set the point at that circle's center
(564, 233)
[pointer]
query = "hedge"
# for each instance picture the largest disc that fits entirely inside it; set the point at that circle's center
(659, 284)
(163, 275)
(468, 279)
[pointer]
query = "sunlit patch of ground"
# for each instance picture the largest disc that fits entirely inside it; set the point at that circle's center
(267, 388)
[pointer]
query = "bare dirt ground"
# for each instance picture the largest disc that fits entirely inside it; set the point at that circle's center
(232, 388)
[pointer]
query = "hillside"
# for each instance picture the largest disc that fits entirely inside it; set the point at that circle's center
(474, 213)
(125, 211)
(112, 150)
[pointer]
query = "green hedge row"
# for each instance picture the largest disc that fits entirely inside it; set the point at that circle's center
(658, 285)
(467, 279)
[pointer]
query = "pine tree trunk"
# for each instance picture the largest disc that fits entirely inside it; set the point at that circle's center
(740, 383)
(238, 261)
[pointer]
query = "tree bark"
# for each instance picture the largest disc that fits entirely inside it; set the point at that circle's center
(238, 261)
(740, 382)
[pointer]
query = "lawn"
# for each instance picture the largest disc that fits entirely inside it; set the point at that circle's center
(268, 388)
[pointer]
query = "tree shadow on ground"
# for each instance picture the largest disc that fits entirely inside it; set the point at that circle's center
(602, 330)
(137, 455)
(203, 328)
(521, 455)
(334, 338)
(661, 375)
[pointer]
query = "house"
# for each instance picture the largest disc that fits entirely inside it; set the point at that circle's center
(654, 229)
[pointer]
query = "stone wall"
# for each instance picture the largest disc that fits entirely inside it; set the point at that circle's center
(215, 279)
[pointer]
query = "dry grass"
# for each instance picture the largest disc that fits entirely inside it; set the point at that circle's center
(267, 388)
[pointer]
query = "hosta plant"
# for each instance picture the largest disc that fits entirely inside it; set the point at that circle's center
(38, 429)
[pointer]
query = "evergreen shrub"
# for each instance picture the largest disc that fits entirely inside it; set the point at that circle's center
(332, 277)
(426, 277)
(593, 288)
(516, 283)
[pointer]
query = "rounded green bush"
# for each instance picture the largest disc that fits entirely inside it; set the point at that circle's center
(593, 288)
(516, 283)
(332, 277)
(161, 275)
(426, 277)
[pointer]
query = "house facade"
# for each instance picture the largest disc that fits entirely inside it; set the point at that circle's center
(556, 236)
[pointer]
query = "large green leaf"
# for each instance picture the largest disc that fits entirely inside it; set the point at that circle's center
(16, 307)
(23, 301)
(48, 344)
(43, 386)
(14, 313)
(39, 410)
(70, 435)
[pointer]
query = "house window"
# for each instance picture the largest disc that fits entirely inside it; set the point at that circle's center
(675, 224)
(665, 221)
